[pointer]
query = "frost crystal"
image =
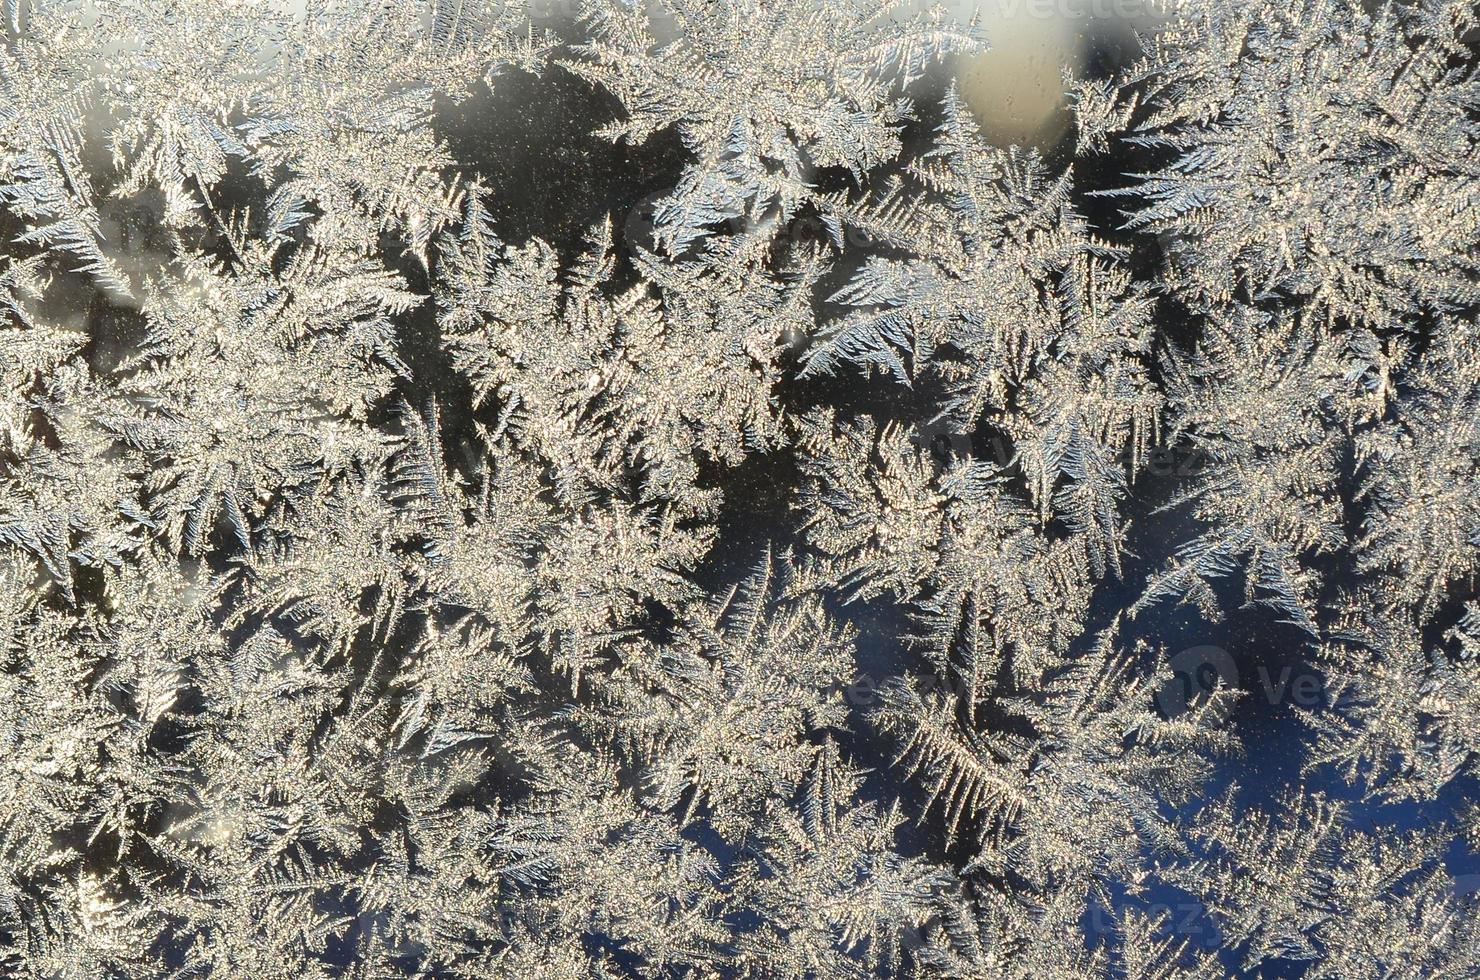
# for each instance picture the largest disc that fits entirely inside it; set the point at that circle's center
(854, 549)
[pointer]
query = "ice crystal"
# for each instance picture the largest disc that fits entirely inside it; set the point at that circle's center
(870, 551)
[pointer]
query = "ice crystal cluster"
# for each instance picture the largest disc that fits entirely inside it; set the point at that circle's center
(852, 548)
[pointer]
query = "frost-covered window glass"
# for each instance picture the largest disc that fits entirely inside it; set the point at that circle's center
(759, 489)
